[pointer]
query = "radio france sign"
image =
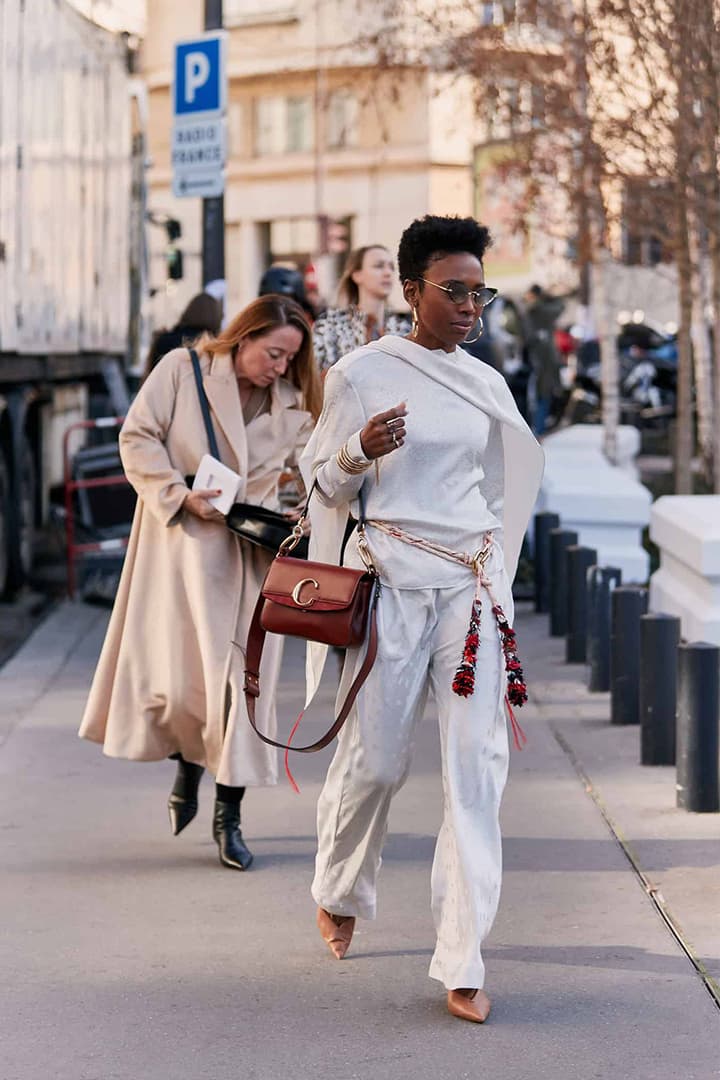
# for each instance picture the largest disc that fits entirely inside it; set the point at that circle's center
(199, 98)
(198, 157)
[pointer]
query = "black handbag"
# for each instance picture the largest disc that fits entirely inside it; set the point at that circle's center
(265, 528)
(257, 524)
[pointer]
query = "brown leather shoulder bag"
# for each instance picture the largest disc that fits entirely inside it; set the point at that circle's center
(321, 602)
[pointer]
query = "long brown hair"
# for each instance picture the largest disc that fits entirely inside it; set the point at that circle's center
(259, 318)
(347, 290)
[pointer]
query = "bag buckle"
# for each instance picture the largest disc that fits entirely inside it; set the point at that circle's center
(252, 684)
(294, 538)
(364, 550)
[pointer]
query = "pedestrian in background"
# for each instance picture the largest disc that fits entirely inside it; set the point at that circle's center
(449, 472)
(287, 281)
(169, 679)
(363, 291)
(541, 314)
(202, 315)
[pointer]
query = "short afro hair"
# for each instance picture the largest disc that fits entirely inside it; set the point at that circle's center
(433, 237)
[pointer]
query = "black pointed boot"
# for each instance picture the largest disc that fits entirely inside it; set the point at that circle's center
(234, 852)
(183, 801)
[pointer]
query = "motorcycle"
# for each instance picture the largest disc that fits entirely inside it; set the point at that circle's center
(647, 379)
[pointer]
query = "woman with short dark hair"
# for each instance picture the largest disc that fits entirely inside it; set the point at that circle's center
(202, 315)
(449, 472)
(362, 316)
(168, 682)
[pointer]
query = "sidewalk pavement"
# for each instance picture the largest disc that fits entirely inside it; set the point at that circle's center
(128, 954)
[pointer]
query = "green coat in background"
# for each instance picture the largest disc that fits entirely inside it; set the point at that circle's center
(541, 316)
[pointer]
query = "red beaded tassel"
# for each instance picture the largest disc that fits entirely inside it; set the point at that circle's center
(517, 690)
(464, 682)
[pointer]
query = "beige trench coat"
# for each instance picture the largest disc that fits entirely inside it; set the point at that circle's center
(169, 678)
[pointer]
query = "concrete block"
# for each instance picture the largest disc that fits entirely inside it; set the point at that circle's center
(581, 440)
(605, 504)
(686, 529)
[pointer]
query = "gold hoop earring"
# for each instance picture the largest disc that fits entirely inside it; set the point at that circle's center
(471, 340)
(415, 323)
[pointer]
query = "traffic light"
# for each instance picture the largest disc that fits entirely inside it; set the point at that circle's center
(173, 228)
(173, 254)
(174, 258)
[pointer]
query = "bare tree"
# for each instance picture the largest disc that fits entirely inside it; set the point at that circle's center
(606, 92)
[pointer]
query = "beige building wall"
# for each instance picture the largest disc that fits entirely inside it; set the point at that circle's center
(407, 152)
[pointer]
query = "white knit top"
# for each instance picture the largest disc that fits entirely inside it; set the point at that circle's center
(437, 485)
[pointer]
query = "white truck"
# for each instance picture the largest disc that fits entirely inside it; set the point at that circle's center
(72, 266)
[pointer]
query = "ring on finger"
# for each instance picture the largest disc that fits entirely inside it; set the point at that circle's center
(393, 436)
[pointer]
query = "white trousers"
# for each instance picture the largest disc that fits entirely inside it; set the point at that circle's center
(421, 638)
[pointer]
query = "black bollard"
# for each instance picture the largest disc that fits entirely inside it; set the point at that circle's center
(601, 581)
(579, 560)
(697, 727)
(560, 540)
(657, 701)
(627, 605)
(544, 522)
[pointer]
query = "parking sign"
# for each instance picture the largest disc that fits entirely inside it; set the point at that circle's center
(199, 82)
(199, 95)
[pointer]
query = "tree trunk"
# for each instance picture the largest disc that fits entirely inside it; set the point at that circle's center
(711, 34)
(684, 441)
(715, 269)
(683, 131)
(610, 373)
(702, 353)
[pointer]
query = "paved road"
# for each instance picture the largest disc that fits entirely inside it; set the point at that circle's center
(130, 955)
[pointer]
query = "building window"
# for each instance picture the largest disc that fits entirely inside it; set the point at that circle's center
(491, 14)
(269, 126)
(284, 125)
(248, 12)
(342, 120)
(298, 125)
(515, 12)
(499, 13)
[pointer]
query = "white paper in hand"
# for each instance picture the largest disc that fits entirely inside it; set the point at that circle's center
(213, 475)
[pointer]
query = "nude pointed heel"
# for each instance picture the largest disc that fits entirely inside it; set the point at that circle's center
(469, 1004)
(336, 930)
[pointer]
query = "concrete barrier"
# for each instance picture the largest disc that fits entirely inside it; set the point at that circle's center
(686, 529)
(605, 504)
(583, 439)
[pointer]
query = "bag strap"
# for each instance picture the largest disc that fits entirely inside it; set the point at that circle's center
(204, 406)
(256, 640)
(360, 496)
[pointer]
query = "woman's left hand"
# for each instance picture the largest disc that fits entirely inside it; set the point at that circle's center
(198, 503)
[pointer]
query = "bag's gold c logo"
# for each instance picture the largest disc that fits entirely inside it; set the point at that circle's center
(296, 592)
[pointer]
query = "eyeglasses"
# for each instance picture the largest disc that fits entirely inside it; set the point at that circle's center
(459, 293)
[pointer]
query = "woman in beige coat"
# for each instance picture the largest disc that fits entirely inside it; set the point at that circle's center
(168, 683)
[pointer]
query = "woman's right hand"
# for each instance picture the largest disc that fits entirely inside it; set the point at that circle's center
(384, 433)
(197, 503)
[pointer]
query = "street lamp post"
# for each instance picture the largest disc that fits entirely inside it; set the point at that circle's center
(213, 224)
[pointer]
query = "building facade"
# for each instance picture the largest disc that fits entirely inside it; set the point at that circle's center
(325, 150)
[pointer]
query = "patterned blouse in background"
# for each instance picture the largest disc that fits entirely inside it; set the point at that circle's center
(340, 330)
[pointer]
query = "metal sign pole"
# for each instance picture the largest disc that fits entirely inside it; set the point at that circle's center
(213, 210)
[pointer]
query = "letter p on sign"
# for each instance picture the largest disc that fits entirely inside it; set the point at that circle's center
(197, 70)
(199, 77)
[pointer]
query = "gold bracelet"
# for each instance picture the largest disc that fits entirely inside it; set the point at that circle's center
(350, 464)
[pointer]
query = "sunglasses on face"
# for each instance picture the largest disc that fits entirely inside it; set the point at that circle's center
(459, 293)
